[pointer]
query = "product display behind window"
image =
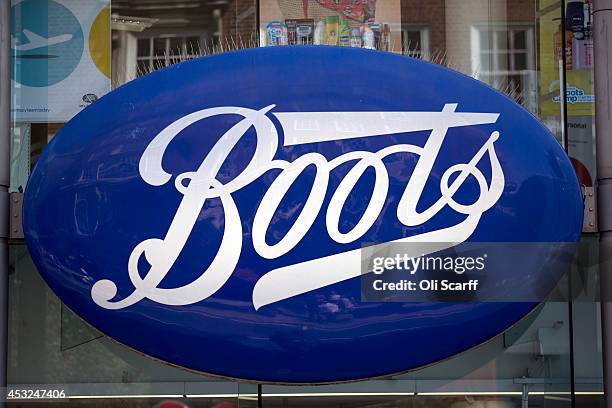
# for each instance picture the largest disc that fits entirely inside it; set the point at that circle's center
(367, 24)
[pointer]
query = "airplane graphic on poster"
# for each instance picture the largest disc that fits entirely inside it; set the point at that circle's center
(36, 41)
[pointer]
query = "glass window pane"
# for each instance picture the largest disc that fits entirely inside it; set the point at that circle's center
(484, 37)
(520, 61)
(49, 345)
(159, 47)
(143, 67)
(485, 63)
(501, 40)
(519, 40)
(193, 45)
(500, 61)
(144, 47)
(412, 40)
(159, 63)
(176, 45)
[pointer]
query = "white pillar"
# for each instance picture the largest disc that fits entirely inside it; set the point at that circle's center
(602, 36)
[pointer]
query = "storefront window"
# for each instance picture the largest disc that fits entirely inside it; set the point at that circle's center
(515, 46)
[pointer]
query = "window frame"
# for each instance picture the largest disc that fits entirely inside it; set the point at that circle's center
(424, 31)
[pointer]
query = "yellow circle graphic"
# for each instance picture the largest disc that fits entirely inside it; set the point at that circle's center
(99, 41)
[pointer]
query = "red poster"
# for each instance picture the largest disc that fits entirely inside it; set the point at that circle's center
(360, 10)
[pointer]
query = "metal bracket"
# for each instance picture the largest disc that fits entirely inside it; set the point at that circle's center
(589, 220)
(604, 198)
(15, 215)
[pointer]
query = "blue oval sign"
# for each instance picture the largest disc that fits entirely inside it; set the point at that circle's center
(213, 214)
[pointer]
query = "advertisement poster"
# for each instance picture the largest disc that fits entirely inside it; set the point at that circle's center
(360, 11)
(578, 50)
(61, 53)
